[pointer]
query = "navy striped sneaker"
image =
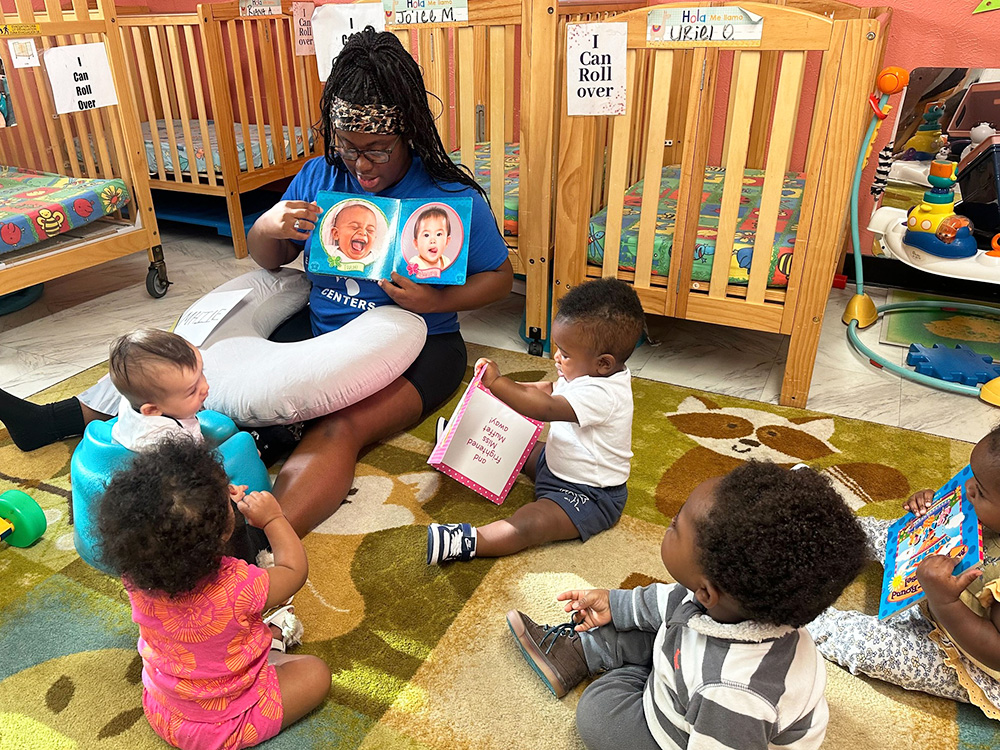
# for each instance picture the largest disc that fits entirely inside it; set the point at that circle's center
(450, 541)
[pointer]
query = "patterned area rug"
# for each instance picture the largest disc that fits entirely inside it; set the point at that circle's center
(421, 656)
(942, 327)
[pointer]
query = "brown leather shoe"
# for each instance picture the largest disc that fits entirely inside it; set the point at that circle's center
(555, 652)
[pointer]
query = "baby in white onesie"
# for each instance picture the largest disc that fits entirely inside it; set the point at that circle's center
(580, 472)
(163, 387)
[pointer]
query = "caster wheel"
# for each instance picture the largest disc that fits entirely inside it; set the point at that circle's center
(535, 348)
(156, 286)
(27, 517)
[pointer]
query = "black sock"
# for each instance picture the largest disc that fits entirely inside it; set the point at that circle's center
(33, 426)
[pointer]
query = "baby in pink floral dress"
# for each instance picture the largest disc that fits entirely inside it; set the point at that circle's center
(210, 677)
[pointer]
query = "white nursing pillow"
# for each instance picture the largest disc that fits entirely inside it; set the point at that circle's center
(259, 382)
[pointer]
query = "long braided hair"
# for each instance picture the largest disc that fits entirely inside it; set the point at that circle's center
(374, 68)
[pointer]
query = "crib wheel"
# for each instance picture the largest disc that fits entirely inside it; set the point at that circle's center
(155, 285)
(535, 348)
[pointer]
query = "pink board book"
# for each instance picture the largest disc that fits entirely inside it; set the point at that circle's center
(486, 443)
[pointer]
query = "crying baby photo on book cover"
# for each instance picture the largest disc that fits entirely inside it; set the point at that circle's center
(371, 236)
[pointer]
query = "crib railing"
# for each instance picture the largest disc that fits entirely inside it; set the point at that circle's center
(470, 74)
(543, 58)
(797, 101)
(766, 99)
(101, 143)
(91, 143)
(218, 72)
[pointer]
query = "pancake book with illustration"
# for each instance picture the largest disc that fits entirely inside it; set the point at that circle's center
(949, 527)
(369, 237)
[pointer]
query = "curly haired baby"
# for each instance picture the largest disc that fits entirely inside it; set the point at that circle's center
(719, 659)
(210, 677)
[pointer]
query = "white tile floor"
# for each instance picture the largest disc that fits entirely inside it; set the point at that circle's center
(69, 329)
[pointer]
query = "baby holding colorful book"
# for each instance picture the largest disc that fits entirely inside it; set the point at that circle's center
(580, 472)
(951, 647)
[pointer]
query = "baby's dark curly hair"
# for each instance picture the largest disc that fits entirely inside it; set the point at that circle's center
(782, 543)
(609, 311)
(164, 518)
(992, 442)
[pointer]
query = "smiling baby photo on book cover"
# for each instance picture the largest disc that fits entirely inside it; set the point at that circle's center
(369, 237)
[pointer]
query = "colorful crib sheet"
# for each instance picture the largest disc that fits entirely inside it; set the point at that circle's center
(201, 163)
(704, 254)
(35, 206)
(511, 178)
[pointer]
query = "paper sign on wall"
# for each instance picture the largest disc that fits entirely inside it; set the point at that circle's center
(260, 7)
(595, 62)
(203, 316)
(302, 25)
(699, 27)
(332, 24)
(486, 443)
(426, 11)
(23, 53)
(80, 76)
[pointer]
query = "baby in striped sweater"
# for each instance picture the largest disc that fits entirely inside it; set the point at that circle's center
(719, 659)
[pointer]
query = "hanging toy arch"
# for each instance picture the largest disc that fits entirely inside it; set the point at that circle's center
(930, 237)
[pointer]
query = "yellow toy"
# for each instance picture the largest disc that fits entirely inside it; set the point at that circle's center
(928, 139)
(932, 225)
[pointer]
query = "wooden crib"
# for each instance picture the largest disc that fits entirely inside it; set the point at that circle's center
(811, 74)
(478, 74)
(214, 78)
(94, 144)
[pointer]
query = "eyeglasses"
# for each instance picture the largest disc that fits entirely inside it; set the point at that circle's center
(375, 156)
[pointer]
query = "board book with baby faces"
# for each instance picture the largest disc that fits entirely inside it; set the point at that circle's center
(369, 237)
(485, 443)
(949, 527)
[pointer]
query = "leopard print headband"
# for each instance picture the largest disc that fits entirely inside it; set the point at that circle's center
(377, 119)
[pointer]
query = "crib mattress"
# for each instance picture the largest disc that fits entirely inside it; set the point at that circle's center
(201, 163)
(708, 225)
(511, 177)
(35, 206)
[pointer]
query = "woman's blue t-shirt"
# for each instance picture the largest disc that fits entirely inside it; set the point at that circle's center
(336, 300)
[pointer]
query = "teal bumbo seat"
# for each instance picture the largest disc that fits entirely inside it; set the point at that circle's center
(98, 457)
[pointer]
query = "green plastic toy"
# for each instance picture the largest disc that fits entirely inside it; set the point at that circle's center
(22, 520)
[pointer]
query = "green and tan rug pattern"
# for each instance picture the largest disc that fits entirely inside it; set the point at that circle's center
(421, 656)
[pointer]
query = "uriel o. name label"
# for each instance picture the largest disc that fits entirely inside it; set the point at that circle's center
(700, 27)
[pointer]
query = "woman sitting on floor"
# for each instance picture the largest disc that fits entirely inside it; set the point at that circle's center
(381, 139)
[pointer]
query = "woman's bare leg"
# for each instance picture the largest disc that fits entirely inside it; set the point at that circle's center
(318, 475)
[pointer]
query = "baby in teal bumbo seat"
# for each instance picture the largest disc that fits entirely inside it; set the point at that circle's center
(163, 388)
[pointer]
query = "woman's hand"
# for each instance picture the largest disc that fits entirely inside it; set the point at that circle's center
(591, 608)
(919, 502)
(418, 298)
(288, 220)
(237, 492)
